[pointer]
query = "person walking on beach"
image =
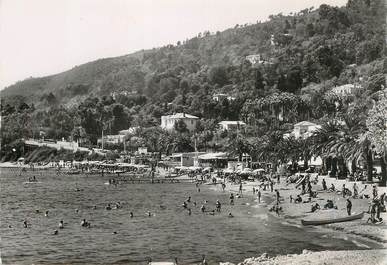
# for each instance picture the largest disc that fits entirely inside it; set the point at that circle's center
(355, 192)
(231, 199)
(223, 186)
(349, 206)
(271, 186)
(303, 187)
(324, 184)
(375, 192)
(259, 196)
(343, 191)
(240, 188)
(277, 196)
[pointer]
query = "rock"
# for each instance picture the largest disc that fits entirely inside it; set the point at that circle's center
(264, 256)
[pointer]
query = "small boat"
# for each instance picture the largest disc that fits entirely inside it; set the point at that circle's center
(333, 220)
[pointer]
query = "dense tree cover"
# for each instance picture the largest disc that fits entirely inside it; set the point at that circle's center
(302, 57)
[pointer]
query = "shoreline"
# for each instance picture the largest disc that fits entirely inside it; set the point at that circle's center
(293, 213)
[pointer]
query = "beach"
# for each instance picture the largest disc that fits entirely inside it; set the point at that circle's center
(288, 222)
(292, 214)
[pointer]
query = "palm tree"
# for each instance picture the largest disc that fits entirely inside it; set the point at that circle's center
(344, 141)
(239, 146)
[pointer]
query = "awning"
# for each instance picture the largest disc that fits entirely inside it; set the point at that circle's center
(213, 156)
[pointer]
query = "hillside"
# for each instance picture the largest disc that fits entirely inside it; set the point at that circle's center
(319, 42)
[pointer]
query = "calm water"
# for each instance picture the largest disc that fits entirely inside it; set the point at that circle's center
(171, 232)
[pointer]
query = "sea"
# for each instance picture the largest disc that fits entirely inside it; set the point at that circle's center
(116, 238)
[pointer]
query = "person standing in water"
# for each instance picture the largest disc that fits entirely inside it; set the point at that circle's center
(218, 206)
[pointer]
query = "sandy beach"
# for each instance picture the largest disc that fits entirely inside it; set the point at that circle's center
(292, 213)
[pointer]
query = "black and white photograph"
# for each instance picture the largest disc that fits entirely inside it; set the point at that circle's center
(193, 132)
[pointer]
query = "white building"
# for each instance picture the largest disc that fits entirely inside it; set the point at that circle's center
(112, 139)
(168, 122)
(343, 90)
(303, 130)
(231, 125)
(220, 97)
(255, 59)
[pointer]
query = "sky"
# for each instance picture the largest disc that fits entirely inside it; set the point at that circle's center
(44, 37)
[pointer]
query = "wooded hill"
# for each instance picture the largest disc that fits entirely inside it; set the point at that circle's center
(313, 45)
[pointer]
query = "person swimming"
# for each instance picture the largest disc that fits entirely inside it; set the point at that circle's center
(203, 208)
(84, 223)
(46, 214)
(189, 199)
(230, 215)
(189, 212)
(108, 207)
(149, 214)
(131, 214)
(25, 224)
(61, 224)
(218, 206)
(56, 232)
(184, 205)
(194, 203)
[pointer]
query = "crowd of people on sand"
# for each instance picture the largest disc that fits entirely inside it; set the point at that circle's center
(376, 207)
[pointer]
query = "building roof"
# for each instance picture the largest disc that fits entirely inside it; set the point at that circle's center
(181, 116)
(305, 123)
(210, 156)
(232, 123)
